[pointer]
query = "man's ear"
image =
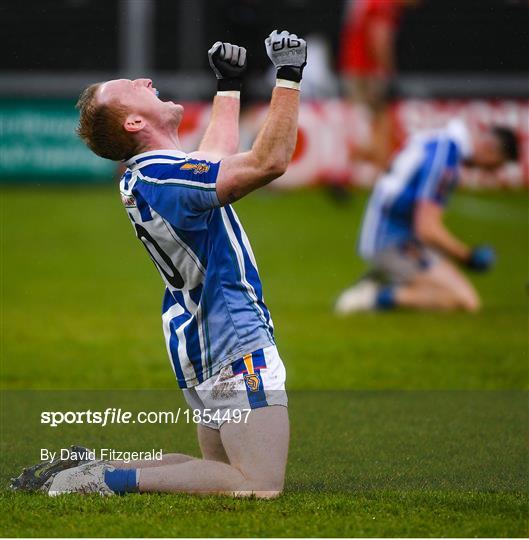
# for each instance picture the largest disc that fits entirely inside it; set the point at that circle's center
(134, 123)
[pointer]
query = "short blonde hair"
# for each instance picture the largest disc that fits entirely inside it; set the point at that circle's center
(101, 127)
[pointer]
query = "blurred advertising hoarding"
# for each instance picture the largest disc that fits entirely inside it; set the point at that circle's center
(38, 141)
(330, 130)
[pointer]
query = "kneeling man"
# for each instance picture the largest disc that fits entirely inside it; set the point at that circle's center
(218, 330)
(410, 251)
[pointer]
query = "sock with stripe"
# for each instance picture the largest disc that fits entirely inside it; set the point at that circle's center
(385, 298)
(122, 480)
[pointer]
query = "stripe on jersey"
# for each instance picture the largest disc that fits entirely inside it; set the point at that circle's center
(179, 319)
(147, 164)
(126, 179)
(385, 193)
(161, 158)
(176, 236)
(184, 170)
(371, 224)
(143, 207)
(192, 240)
(173, 155)
(250, 267)
(253, 271)
(177, 182)
(207, 341)
(239, 254)
(173, 316)
(193, 334)
(438, 162)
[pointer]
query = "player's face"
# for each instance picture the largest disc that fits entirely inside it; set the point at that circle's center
(140, 97)
(488, 153)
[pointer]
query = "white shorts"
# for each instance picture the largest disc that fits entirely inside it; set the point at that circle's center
(401, 263)
(256, 380)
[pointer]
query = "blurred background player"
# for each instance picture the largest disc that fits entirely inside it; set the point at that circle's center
(367, 63)
(403, 236)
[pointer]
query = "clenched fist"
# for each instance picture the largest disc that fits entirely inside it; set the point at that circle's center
(228, 62)
(288, 53)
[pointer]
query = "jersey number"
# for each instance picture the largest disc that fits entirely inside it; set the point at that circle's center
(162, 261)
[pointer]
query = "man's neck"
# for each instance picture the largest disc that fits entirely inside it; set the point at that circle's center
(169, 141)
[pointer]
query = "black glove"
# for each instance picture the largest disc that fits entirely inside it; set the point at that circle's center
(228, 62)
(481, 258)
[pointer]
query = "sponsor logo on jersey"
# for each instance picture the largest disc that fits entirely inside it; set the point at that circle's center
(197, 168)
(252, 382)
(129, 201)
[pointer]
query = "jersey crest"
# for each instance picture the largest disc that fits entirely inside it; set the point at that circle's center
(252, 382)
(197, 168)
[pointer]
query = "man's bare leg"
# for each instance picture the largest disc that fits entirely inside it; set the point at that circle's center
(441, 287)
(257, 452)
(262, 454)
(167, 459)
(211, 444)
(378, 150)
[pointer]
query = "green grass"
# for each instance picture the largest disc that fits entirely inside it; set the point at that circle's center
(373, 514)
(403, 424)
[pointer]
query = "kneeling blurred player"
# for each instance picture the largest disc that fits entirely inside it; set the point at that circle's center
(403, 237)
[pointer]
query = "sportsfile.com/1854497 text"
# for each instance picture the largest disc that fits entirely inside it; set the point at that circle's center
(112, 415)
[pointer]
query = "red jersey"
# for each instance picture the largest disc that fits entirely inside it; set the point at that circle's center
(355, 56)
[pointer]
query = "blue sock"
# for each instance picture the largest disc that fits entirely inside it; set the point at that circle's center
(122, 480)
(385, 298)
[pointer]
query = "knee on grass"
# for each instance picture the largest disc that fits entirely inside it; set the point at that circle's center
(468, 301)
(259, 494)
(471, 305)
(261, 485)
(468, 304)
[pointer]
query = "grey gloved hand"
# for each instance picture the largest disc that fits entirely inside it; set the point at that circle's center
(288, 53)
(228, 62)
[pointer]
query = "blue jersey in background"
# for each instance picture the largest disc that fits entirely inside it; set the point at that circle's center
(427, 168)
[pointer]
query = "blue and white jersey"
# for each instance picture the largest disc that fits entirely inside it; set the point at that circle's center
(213, 308)
(427, 168)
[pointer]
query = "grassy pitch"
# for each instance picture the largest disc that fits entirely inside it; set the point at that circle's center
(403, 424)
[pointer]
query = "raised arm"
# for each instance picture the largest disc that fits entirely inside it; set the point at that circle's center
(272, 150)
(270, 154)
(221, 139)
(222, 134)
(430, 229)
